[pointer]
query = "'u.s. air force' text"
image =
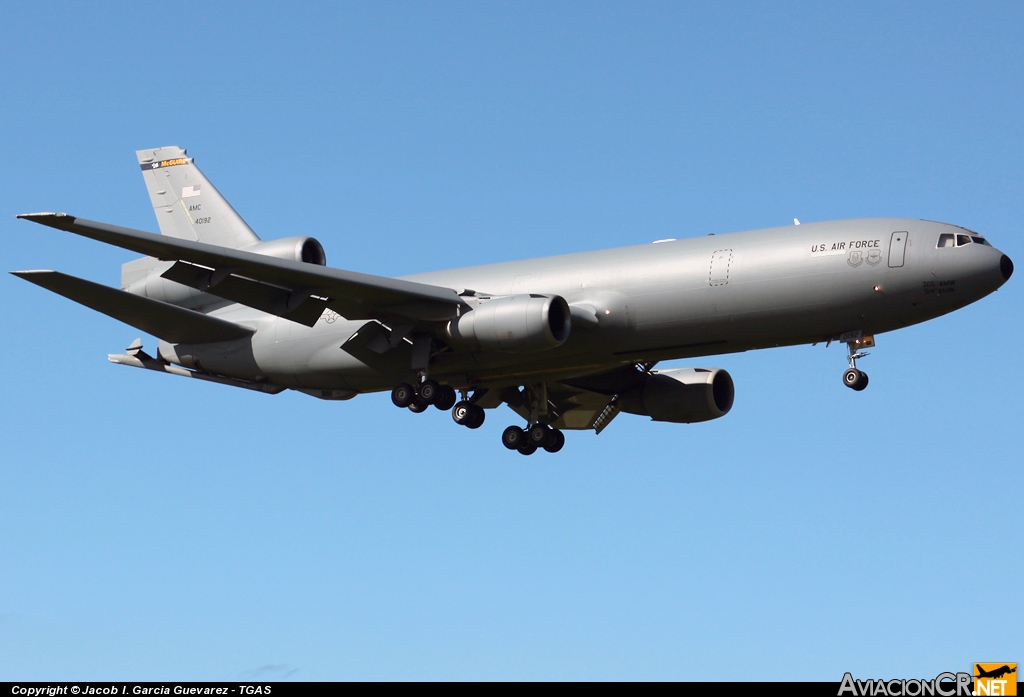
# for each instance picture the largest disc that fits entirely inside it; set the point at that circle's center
(825, 249)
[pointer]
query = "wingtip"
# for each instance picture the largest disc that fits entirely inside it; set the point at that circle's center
(30, 272)
(43, 217)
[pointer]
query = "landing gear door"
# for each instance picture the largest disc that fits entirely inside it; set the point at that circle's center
(897, 249)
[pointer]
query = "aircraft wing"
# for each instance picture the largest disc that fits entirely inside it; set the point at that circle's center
(291, 289)
(163, 320)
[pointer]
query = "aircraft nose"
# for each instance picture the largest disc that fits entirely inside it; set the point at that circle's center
(1006, 267)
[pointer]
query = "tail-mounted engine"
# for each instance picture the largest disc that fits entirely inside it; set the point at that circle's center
(514, 323)
(305, 249)
(685, 395)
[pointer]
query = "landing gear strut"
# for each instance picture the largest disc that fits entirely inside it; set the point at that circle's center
(853, 378)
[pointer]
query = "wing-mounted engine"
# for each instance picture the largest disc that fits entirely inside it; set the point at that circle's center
(514, 323)
(305, 249)
(684, 395)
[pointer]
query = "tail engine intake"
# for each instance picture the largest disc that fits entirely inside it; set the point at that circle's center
(305, 249)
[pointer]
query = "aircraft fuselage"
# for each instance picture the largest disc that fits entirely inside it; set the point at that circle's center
(692, 297)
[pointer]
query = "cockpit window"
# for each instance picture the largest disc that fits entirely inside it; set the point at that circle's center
(981, 240)
(946, 240)
(961, 240)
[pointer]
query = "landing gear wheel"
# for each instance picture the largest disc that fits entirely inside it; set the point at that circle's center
(403, 395)
(477, 416)
(467, 414)
(429, 391)
(418, 406)
(461, 412)
(556, 439)
(855, 379)
(446, 398)
(538, 435)
(527, 449)
(513, 438)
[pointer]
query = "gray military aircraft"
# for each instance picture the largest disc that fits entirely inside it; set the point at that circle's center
(567, 342)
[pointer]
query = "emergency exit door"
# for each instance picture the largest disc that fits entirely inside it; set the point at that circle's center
(897, 249)
(721, 261)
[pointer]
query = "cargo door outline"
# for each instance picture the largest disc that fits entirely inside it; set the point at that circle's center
(897, 249)
(721, 261)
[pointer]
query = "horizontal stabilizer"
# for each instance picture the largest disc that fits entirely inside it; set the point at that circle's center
(351, 294)
(168, 322)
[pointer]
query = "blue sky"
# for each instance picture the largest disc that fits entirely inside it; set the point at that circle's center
(151, 528)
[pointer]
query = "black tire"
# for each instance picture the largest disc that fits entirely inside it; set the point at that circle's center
(429, 390)
(538, 435)
(527, 449)
(862, 383)
(478, 416)
(555, 441)
(461, 413)
(418, 406)
(851, 378)
(403, 395)
(446, 398)
(513, 437)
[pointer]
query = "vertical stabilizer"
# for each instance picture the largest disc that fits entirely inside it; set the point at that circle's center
(186, 204)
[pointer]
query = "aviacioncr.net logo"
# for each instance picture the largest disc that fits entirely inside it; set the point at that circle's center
(943, 685)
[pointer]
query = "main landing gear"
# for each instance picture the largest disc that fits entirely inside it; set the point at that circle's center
(467, 414)
(537, 436)
(856, 379)
(537, 433)
(417, 399)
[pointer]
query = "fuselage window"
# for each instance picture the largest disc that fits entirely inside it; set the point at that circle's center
(946, 240)
(961, 240)
(981, 240)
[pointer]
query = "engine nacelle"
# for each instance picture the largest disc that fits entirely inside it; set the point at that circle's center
(682, 396)
(305, 249)
(514, 323)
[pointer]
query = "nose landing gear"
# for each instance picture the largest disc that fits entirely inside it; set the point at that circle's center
(853, 378)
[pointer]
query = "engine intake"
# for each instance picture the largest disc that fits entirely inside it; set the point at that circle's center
(305, 249)
(514, 323)
(682, 396)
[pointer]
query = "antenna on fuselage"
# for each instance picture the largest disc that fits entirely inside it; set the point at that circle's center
(795, 221)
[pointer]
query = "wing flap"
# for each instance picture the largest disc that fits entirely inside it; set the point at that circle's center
(297, 306)
(354, 295)
(163, 320)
